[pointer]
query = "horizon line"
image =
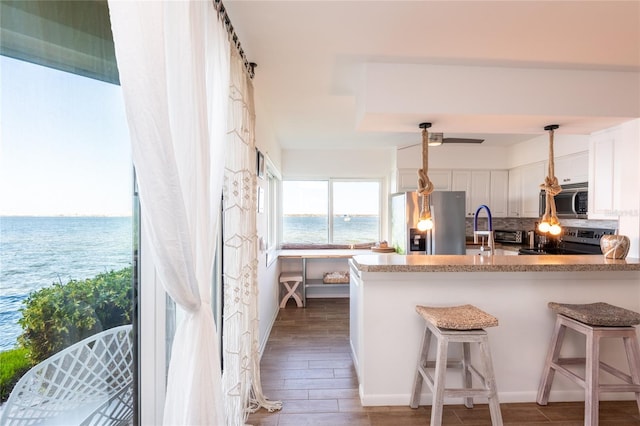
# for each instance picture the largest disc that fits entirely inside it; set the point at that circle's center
(66, 215)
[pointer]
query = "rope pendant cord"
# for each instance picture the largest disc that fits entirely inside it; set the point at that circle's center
(425, 186)
(550, 186)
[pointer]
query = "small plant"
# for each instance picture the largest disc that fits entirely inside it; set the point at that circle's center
(13, 364)
(58, 316)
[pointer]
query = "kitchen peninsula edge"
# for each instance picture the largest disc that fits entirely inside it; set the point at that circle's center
(385, 330)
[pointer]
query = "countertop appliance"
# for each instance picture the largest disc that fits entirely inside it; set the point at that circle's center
(448, 233)
(572, 202)
(574, 240)
(505, 236)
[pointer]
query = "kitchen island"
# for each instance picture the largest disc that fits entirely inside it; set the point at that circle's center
(385, 330)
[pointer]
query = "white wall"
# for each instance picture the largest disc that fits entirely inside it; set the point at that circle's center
(455, 157)
(537, 149)
(347, 163)
(267, 143)
(493, 157)
(266, 139)
(267, 278)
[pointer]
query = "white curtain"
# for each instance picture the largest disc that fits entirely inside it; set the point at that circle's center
(241, 377)
(173, 59)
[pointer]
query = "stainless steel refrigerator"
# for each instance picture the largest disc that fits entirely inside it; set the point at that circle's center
(448, 233)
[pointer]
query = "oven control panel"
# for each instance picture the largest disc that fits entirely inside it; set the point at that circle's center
(585, 235)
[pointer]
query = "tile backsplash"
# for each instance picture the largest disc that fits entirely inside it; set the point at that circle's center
(528, 224)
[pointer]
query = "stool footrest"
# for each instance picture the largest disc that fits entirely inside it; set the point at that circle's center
(463, 393)
(454, 392)
(558, 366)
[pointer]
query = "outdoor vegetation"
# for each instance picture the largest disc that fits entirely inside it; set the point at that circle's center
(60, 315)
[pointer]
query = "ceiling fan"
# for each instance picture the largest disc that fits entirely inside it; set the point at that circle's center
(436, 139)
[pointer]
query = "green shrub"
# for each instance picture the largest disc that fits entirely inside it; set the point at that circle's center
(13, 364)
(58, 316)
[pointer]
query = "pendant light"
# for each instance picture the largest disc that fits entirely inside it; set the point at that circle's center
(549, 222)
(425, 186)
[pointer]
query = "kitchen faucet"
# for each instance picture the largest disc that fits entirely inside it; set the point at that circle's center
(488, 232)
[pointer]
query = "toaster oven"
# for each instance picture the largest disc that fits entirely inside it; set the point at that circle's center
(515, 237)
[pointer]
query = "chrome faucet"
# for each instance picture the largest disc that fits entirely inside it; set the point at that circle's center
(488, 232)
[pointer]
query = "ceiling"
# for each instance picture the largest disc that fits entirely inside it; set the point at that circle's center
(310, 55)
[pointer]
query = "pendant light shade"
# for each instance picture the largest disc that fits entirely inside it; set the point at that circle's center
(549, 222)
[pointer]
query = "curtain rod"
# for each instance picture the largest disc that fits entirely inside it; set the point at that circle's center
(222, 12)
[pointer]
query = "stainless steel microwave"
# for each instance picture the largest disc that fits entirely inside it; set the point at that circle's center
(572, 202)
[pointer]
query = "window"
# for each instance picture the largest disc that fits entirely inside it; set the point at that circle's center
(65, 202)
(356, 212)
(66, 219)
(352, 205)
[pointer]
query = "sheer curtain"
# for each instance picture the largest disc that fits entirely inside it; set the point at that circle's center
(241, 376)
(173, 59)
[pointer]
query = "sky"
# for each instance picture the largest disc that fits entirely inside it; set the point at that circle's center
(311, 197)
(64, 144)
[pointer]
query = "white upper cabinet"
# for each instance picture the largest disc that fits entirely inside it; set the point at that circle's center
(524, 189)
(613, 161)
(515, 192)
(499, 203)
(489, 187)
(601, 186)
(408, 179)
(574, 168)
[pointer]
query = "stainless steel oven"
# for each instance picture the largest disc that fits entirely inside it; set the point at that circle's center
(574, 240)
(572, 202)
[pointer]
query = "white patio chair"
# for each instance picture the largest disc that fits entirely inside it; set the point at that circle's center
(88, 383)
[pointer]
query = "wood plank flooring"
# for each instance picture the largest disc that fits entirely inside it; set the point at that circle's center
(307, 365)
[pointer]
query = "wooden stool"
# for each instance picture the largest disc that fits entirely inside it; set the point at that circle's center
(291, 281)
(595, 321)
(458, 324)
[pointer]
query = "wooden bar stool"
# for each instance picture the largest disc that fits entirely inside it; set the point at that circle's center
(596, 321)
(291, 281)
(458, 324)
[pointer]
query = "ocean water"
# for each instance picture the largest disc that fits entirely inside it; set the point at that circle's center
(346, 229)
(38, 251)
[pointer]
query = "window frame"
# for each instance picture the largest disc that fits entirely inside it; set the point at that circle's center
(273, 211)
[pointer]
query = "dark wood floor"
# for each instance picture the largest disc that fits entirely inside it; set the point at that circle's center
(307, 365)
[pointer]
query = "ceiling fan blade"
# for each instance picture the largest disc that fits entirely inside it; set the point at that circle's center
(462, 140)
(409, 146)
(447, 140)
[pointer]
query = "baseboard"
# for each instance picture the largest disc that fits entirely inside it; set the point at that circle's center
(263, 344)
(504, 397)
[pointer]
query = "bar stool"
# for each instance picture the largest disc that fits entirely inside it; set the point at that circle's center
(458, 324)
(291, 281)
(596, 321)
